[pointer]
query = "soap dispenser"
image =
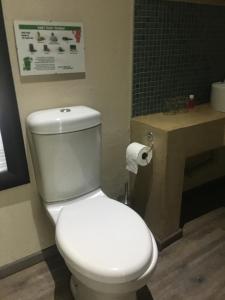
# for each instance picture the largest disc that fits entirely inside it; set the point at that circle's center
(191, 102)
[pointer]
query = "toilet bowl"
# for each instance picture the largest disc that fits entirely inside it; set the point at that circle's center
(108, 248)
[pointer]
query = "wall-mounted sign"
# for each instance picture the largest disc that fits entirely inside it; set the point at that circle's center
(49, 47)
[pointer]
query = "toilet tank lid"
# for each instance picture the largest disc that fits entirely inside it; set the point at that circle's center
(64, 119)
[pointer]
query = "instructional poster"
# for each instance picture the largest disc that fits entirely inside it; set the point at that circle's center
(49, 47)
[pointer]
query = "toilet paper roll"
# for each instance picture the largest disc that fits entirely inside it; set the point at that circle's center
(137, 155)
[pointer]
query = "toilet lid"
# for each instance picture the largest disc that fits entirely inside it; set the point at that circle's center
(104, 240)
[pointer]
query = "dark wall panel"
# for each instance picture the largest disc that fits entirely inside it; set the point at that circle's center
(179, 49)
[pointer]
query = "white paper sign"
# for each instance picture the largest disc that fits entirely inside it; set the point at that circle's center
(49, 47)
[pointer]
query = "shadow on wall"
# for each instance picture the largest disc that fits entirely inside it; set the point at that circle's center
(141, 186)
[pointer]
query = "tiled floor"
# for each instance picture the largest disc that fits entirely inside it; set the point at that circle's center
(45, 281)
(191, 269)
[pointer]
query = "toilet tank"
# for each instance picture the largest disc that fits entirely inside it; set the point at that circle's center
(66, 149)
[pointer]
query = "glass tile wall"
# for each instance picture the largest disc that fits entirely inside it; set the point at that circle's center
(179, 49)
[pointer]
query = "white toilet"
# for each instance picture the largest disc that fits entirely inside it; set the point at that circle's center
(107, 246)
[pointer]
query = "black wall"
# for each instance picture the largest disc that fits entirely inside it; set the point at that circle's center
(179, 49)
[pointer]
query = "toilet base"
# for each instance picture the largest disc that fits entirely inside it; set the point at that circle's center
(74, 288)
(82, 292)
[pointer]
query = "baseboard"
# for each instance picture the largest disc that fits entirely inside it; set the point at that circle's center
(169, 240)
(27, 261)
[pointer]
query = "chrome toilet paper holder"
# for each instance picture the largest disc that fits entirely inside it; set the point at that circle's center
(150, 139)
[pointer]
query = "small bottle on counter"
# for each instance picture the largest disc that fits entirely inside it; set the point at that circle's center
(191, 102)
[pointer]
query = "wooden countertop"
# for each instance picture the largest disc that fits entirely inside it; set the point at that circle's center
(199, 115)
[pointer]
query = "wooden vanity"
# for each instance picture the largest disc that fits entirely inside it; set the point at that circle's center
(157, 192)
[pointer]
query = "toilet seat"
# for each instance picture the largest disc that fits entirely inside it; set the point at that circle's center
(104, 240)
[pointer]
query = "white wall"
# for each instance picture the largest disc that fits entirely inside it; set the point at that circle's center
(24, 227)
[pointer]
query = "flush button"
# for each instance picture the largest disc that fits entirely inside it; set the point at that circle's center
(64, 110)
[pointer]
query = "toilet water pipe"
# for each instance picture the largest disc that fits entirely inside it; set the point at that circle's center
(126, 196)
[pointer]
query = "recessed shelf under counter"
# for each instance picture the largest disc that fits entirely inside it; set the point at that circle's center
(176, 137)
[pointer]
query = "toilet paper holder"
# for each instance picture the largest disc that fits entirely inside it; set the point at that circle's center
(150, 139)
(149, 142)
(139, 154)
